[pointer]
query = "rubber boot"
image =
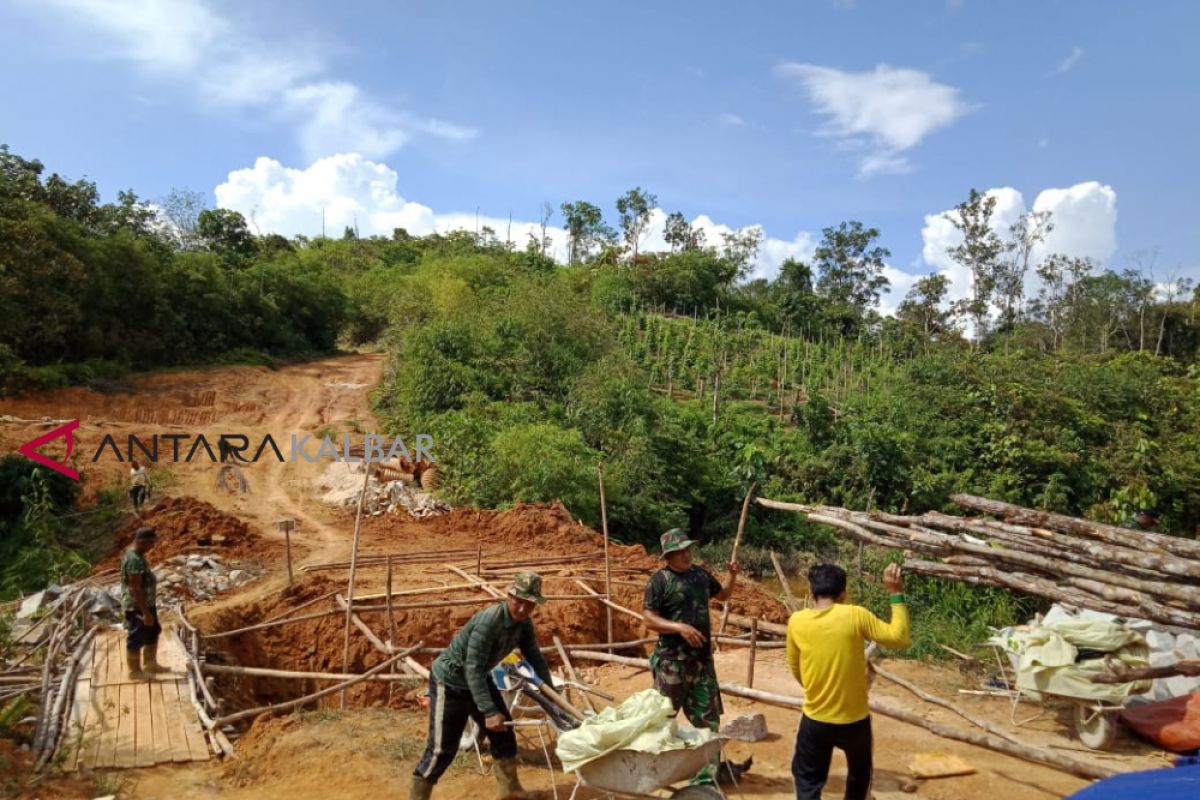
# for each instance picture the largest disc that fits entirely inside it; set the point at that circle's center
(421, 789)
(133, 665)
(508, 786)
(150, 663)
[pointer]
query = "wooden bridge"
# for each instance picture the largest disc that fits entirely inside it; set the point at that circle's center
(121, 723)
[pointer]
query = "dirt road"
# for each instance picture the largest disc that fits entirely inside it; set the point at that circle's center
(368, 753)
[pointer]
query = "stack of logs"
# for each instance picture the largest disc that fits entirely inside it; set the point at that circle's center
(1119, 571)
(60, 640)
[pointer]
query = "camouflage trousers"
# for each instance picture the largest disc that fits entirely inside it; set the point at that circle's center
(690, 683)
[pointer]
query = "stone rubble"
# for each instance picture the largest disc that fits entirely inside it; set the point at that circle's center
(181, 579)
(342, 484)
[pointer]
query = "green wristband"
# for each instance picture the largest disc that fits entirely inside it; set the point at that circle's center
(896, 598)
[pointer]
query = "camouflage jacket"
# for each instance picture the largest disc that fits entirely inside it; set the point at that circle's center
(482, 643)
(682, 597)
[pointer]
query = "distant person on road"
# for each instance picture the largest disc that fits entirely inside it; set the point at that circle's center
(825, 651)
(139, 486)
(1146, 519)
(461, 687)
(138, 590)
(675, 606)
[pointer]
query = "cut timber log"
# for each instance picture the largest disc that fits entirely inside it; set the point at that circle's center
(1119, 673)
(1143, 540)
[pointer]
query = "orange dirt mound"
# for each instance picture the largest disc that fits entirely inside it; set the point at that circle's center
(187, 525)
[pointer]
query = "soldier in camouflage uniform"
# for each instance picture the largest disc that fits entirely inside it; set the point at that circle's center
(138, 601)
(461, 687)
(676, 607)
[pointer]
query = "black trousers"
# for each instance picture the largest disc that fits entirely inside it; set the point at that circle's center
(814, 752)
(449, 710)
(139, 633)
(138, 495)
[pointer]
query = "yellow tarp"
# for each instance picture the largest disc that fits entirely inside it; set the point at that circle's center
(644, 722)
(1047, 659)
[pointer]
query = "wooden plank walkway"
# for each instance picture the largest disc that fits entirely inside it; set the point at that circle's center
(120, 723)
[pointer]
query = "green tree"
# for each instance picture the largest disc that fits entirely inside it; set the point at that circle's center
(225, 232)
(923, 307)
(586, 230)
(979, 252)
(634, 208)
(850, 270)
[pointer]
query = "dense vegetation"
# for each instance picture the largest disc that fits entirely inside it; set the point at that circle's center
(688, 381)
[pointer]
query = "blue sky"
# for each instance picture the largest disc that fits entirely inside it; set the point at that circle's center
(789, 115)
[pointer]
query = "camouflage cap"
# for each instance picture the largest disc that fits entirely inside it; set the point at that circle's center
(674, 540)
(527, 586)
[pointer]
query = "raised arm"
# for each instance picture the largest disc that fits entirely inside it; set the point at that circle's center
(897, 632)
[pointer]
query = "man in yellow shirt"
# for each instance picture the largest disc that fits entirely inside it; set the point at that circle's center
(825, 651)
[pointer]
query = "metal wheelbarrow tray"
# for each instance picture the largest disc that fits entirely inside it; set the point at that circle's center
(636, 773)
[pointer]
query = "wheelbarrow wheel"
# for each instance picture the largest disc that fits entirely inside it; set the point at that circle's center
(1095, 729)
(698, 793)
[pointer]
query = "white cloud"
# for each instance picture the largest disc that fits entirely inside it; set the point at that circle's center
(163, 34)
(1068, 63)
(351, 190)
(233, 69)
(731, 120)
(1085, 225)
(885, 111)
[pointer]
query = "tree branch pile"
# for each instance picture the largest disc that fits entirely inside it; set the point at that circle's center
(1087, 564)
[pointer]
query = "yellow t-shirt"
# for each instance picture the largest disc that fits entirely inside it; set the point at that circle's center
(825, 653)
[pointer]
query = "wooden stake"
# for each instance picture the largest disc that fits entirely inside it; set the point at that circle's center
(221, 669)
(608, 619)
(308, 698)
(737, 541)
(287, 538)
(362, 496)
(789, 599)
(753, 653)
(391, 616)
(570, 668)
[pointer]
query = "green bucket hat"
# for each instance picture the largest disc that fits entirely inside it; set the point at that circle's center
(527, 586)
(674, 540)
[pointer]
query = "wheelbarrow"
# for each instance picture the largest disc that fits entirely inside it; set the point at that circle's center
(632, 773)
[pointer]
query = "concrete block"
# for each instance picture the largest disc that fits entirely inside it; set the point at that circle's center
(747, 728)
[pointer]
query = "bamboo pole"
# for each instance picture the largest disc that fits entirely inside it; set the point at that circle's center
(264, 625)
(362, 496)
(753, 653)
(789, 599)
(737, 619)
(308, 698)
(480, 582)
(570, 668)
(302, 606)
(391, 614)
(938, 701)
(65, 692)
(263, 672)
(366, 630)
(287, 538)
(608, 618)
(737, 541)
